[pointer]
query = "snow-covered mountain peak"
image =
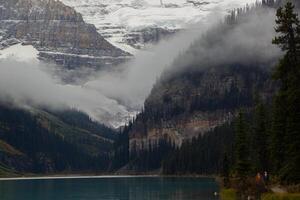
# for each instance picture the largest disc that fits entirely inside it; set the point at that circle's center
(123, 21)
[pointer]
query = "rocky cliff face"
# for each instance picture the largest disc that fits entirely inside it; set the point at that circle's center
(190, 104)
(58, 32)
(139, 39)
(145, 136)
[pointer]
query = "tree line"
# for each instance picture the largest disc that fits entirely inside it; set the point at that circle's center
(264, 139)
(45, 150)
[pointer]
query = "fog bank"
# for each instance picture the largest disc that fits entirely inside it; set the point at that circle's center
(203, 45)
(114, 97)
(26, 84)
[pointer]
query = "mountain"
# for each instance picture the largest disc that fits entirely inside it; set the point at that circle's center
(198, 95)
(58, 32)
(206, 87)
(132, 24)
(193, 104)
(43, 141)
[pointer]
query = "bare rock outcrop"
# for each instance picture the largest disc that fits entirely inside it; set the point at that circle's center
(58, 32)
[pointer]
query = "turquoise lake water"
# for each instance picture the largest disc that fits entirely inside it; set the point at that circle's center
(110, 188)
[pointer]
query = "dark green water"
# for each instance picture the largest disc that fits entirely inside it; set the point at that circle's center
(126, 188)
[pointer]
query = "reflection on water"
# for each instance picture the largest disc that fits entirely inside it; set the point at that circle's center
(130, 188)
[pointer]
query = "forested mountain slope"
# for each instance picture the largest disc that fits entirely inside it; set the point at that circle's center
(206, 86)
(39, 141)
(263, 139)
(228, 108)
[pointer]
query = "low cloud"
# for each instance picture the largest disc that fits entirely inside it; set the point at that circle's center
(202, 45)
(248, 42)
(113, 97)
(27, 84)
(134, 83)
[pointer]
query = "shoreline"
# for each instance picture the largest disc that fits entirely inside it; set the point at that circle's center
(103, 176)
(74, 176)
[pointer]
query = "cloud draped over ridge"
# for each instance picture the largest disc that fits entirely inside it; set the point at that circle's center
(110, 96)
(202, 46)
(248, 42)
(26, 84)
(134, 84)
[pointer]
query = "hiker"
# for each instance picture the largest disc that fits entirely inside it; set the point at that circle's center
(266, 178)
(260, 185)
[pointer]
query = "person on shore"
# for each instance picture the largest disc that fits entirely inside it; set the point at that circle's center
(266, 177)
(260, 185)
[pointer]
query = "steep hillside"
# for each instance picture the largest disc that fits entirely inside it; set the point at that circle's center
(193, 104)
(40, 141)
(58, 32)
(205, 87)
(264, 138)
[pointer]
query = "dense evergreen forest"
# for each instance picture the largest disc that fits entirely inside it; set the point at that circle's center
(264, 139)
(196, 88)
(263, 136)
(43, 143)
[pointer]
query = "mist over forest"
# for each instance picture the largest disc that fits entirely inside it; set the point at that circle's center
(124, 91)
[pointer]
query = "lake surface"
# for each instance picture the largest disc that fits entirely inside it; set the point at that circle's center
(110, 188)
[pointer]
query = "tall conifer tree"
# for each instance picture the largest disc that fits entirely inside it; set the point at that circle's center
(242, 148)
(260, 137)
(286, 118)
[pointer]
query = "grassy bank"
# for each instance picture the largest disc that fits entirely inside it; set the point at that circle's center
(284, 196)
(230, 194)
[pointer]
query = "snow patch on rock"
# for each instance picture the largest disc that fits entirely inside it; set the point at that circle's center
(116, 20)
(20, 52)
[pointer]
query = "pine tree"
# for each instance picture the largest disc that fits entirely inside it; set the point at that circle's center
(242, 148)
(288, 29)
(260, 137)
(286, 118)
(242, 156)
(290, 173)
(225, 170)
(278, 126)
